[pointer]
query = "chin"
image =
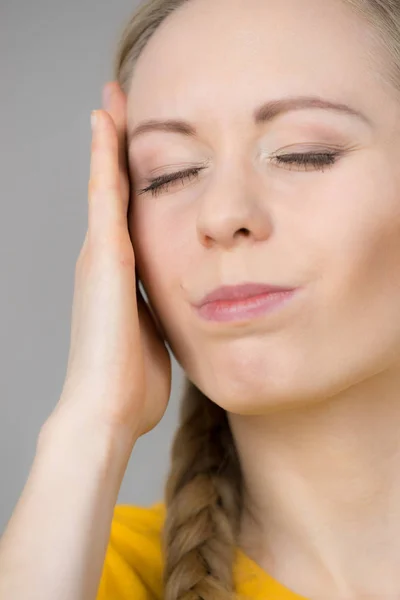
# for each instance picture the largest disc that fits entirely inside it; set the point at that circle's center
(243, 397)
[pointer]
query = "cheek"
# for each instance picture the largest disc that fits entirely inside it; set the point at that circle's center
(362, 234)
(161, 253)
(359, 290)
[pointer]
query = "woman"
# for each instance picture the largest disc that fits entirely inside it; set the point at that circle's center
(283, 171)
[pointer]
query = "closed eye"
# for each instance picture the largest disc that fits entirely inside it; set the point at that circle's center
(315, 160)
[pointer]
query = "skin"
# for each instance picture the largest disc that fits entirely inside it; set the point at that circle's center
(311, 390)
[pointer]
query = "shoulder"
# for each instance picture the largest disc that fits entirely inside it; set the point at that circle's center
(133, 563)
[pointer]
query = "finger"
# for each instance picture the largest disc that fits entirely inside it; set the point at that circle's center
(106, 211)
(115, 103)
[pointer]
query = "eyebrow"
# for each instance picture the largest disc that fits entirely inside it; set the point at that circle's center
(263, 114)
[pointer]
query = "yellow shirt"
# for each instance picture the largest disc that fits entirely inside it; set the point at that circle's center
(133, 563)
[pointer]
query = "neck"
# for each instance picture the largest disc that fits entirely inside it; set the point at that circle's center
(323, 495)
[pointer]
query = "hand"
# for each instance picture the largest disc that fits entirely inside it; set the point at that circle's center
(119, 369)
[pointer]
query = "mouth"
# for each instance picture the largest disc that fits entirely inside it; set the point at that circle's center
(245, 308)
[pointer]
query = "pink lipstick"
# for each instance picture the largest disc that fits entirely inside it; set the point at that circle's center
(236, 303)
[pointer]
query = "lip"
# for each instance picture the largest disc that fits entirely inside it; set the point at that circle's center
(242, 303)
(240, 292)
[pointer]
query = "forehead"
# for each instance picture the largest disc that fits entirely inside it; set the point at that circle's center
(215, 57)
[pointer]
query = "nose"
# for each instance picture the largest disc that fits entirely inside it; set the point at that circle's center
(230, 211)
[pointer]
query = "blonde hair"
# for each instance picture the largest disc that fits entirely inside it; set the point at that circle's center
(204, 487)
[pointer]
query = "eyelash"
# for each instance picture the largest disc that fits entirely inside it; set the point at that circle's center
(315, 159)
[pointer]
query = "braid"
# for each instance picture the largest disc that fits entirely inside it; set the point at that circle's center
(203, 501)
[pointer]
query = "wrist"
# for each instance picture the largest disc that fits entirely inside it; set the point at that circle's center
(73, 430)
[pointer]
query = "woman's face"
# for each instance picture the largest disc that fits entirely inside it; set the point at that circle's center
(333, 231)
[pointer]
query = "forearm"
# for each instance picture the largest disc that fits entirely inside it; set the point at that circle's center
(55, 542)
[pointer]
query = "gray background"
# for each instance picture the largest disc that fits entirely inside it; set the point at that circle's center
(55, 56)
